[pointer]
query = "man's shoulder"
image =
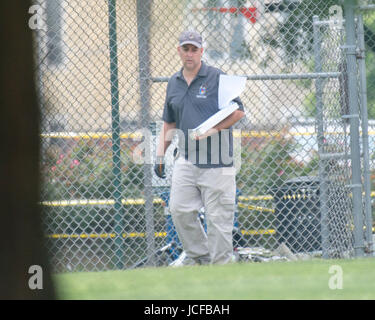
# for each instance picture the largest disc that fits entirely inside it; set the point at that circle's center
(174, 76)
(213, 69)
(210, 69)
(172, 81)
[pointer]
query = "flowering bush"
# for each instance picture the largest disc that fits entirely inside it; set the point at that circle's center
(268, 162)
(83, 169)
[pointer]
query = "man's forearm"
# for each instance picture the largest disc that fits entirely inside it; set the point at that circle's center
(165, 138)
(224, 124)
(230, 120)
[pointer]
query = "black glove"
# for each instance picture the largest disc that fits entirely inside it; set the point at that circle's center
(159, 167)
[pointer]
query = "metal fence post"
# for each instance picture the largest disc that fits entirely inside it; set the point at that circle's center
(143, 27)
(354, 127)
(116, 151)
(323, 194)
(365, 137)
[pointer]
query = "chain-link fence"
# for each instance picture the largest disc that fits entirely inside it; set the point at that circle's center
(365, 28)
(303, 168)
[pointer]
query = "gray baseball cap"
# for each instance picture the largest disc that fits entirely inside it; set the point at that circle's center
(190, 37)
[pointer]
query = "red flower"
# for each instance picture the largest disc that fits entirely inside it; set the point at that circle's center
(281, 172)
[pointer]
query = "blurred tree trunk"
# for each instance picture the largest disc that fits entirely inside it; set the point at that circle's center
(21, 236)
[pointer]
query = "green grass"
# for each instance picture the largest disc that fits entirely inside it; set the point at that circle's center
(272, 280)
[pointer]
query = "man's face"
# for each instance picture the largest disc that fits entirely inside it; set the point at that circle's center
(190, 56)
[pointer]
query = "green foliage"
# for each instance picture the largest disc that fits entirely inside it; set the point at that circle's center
(296, 37)
(83, 170)
(310, 105)
(296, 30)
(369, 22)
(268, 162)
(370, 71)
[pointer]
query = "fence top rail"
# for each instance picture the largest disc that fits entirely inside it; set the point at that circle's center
(277, 76)
(367, 7)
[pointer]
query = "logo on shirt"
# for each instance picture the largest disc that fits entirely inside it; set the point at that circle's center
(202, 92)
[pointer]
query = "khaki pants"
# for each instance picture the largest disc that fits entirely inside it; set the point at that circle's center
(214, 189)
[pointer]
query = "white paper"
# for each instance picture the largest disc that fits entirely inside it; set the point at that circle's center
(215, 119)
(230, 87)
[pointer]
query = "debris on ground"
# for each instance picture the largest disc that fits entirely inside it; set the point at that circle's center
(260, 254)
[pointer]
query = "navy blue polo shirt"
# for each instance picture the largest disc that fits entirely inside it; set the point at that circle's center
(188, 107)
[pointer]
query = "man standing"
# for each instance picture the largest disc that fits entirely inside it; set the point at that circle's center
(203, 175)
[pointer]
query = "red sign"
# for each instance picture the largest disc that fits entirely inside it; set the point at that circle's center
(249, 13)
